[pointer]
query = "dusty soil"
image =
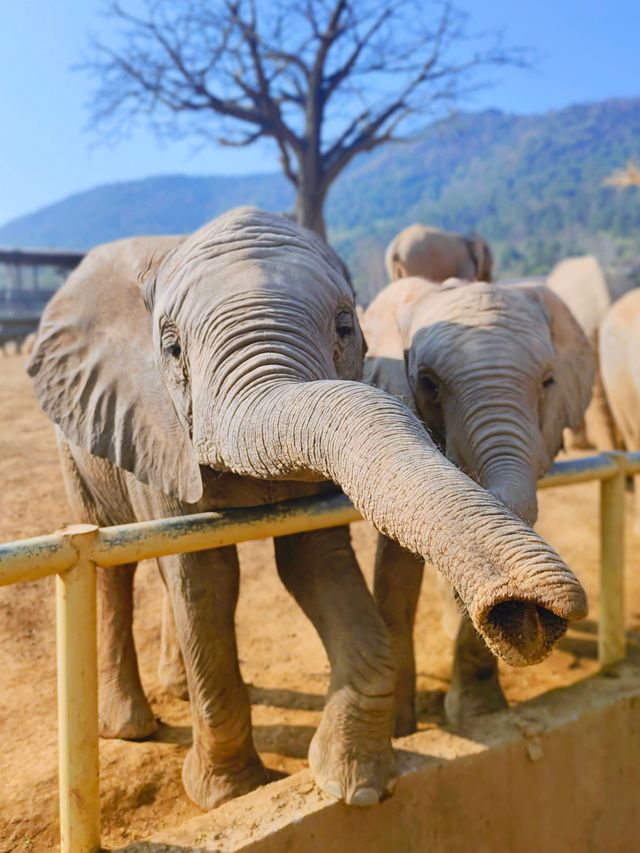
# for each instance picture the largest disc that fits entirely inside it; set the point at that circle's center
(281, 656)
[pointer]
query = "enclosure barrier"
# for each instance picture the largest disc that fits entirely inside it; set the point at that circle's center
(73, 553)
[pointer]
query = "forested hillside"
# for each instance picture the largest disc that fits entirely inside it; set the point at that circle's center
(533, 185)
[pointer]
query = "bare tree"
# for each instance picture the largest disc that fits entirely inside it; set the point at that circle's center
(324, 79)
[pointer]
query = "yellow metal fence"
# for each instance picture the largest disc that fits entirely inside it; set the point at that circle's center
(73, 553)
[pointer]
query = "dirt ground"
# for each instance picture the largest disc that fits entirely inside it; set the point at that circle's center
(281, 657)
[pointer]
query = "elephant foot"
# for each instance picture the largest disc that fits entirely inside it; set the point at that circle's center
(209, 786)
(350, 754)
(173, 678)
(473, 698)
(125, 716)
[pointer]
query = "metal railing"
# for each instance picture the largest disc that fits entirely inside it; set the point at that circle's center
(73, 553)
(16, 329)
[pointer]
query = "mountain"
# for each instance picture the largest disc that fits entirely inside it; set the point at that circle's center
(531, 184)
(169, 204)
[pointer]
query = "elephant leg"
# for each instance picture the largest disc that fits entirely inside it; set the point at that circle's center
(171, 671)
(124, 709)
(396, 588)
(475, 686)
(600, 428)
(96, 496)
(350, 754)
(222, 762)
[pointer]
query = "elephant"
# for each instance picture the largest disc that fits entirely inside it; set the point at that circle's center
(222, 369)
(495, 372)
(589, 291)
(620, 369)
(421, 250)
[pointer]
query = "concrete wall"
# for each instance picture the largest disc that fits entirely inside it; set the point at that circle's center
(560, 773)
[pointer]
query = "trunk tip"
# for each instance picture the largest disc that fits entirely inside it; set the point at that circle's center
(524, 632)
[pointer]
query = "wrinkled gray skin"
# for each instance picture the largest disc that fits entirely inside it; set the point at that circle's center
(438, 255)
(620, 369)
(589, 290)
(216, 371)
(496, 373)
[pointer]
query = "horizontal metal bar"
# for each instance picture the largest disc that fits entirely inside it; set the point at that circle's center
(30, 559)
(131, 542)
(40, 258)
(632, 462)
(11, 323)
(600, 467)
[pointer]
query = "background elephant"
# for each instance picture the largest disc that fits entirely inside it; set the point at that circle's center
(438, 255)
(217, 371)
(589, 290)
(495, 372)
(620, 368)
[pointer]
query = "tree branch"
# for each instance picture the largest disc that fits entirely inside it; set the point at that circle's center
(325, 79)
(266, 104)
(334, 80)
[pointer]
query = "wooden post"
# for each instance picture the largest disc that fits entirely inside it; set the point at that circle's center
(78, 698)
(611, 634)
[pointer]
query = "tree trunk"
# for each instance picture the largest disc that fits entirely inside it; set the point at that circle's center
(309, 208)
(311, 188)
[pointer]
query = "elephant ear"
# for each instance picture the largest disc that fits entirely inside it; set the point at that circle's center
(384, 365)
(574, 370)
(482, 257)
(95, 376)
(390, 374)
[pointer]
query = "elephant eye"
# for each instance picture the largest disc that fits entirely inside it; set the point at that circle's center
(548, 382)
(344, 324)
(170, 341)
(429, 385)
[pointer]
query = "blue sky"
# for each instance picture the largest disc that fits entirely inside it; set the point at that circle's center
(589, 50)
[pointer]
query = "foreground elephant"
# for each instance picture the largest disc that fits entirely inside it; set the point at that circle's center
(589, 291)
(438, 255)
(209, 372)
(496, 373)
(620, 368)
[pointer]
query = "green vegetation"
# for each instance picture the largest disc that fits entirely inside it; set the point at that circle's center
(532, 185)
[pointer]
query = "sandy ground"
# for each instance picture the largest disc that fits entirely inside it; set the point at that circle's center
(281, 656)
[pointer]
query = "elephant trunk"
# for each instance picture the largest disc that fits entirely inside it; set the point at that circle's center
(503, 449)
(519, 593)
(514, 484)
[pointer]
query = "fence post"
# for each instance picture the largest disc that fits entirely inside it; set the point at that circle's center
(611, 635)
(78, 698)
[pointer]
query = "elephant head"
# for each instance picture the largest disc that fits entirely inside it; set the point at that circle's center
(237, 349)
(496, 372)
(437, 255)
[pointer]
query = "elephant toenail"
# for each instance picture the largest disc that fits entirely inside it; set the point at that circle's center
(333, 789)
(365, 797)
